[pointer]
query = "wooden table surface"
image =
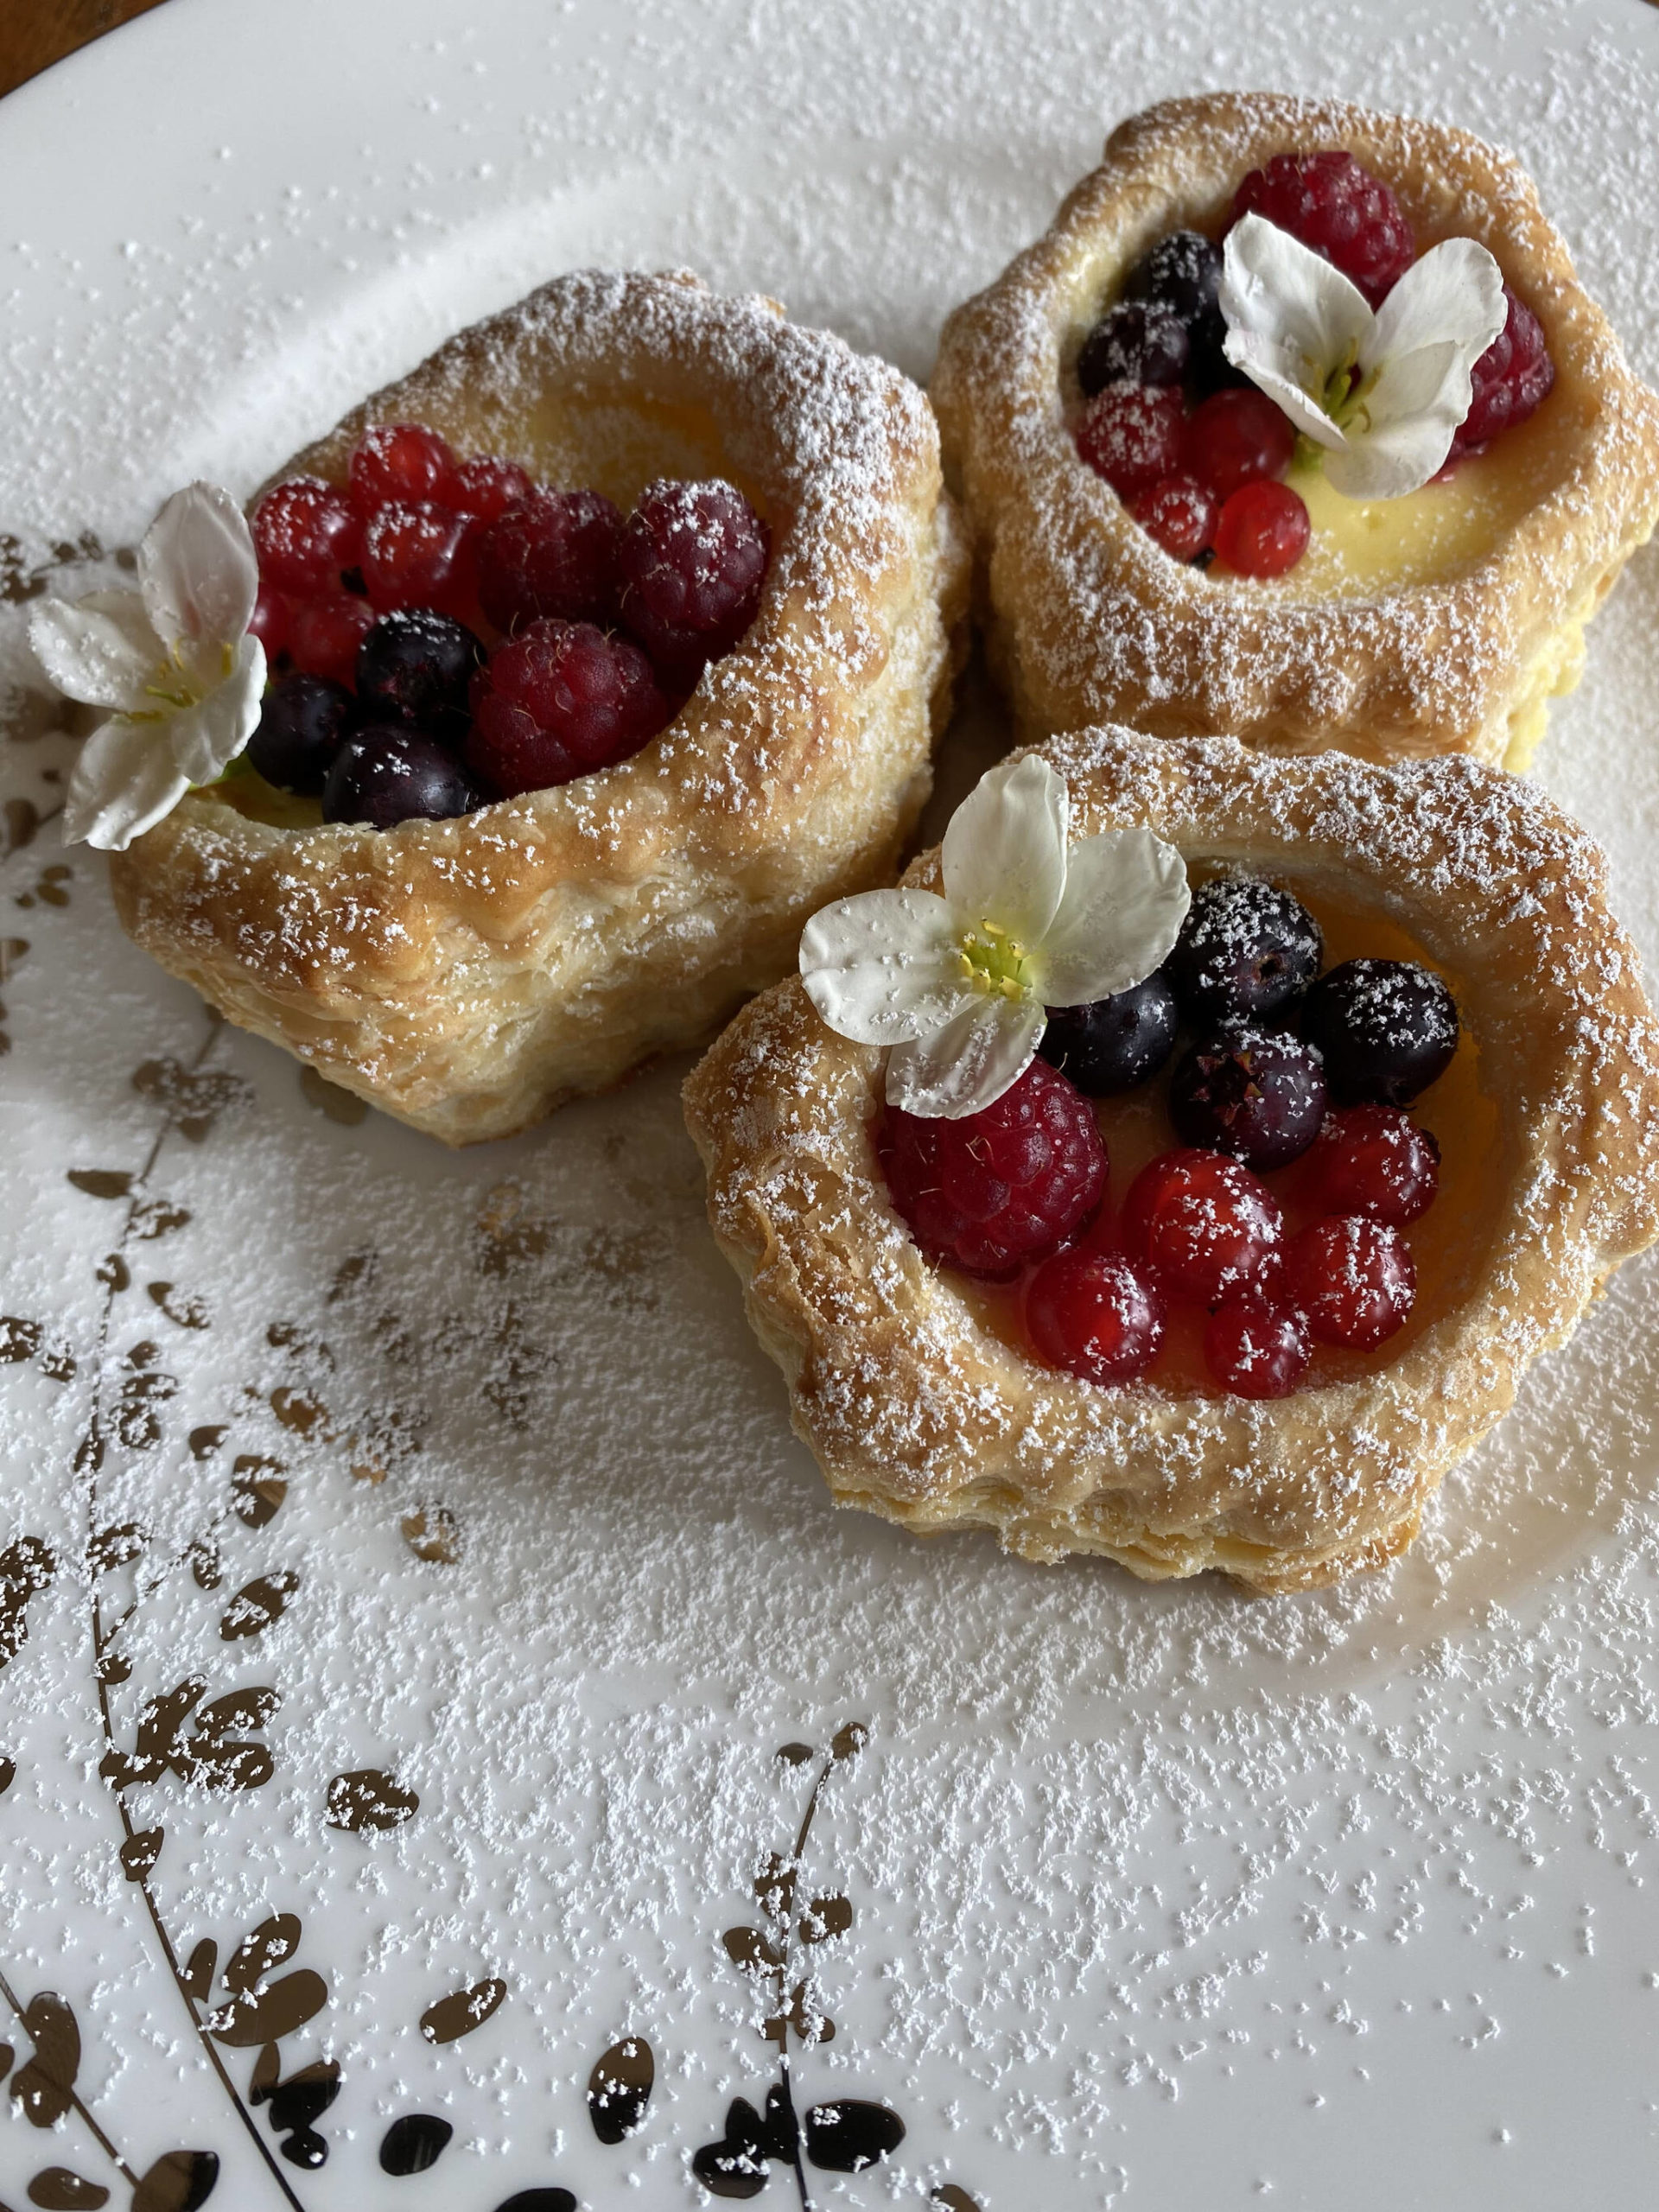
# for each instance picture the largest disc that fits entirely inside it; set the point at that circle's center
(34, 33)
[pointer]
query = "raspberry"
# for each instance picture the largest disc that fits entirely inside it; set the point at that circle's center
(304, 532)
(400, 462)
(1235, 438)
(1374, 1160)
(324, 635)
(1130, 433)
(1203, 1224)
(692, 563)
(1353, 1279)
(411, 556)
(1511, 379)
(1263, 530)
(1256, 1349)
(1341, 211)
(1179, 514)
(553, 553)
(1091, 1313)
(487, 487)
(559, 701)
(997, 1188)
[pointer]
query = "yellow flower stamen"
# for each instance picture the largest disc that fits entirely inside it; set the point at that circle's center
(993, 961)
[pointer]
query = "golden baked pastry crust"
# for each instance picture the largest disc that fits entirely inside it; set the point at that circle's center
(468, 976)
(917, 1411)
(1089, 620)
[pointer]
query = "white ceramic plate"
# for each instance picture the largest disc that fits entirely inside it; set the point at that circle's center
(1159, 1897)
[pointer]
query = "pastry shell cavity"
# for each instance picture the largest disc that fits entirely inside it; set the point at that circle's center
(918, 1412)
(1089, 620)
(468, 976)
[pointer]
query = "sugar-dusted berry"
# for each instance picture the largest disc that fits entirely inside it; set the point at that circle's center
(1263, 530)
(412, 553)
(401, 463)
(388, 773)
(559, 701)
(305, 532)
(1180, 514)
(692, 565)
(551, 554)
(1138, 341)
(1387, 1029)
(1341, 210)
(324, 635)
(1114, 1044)
(1257, 1349)
(1374, 1161)
(1353, 1279)
(1202, 1224)
(302, 723)
(1247, 951)
(1237, 437)
(487, 487)
(1511, 379)
(1130, 433)
(414, 665)
(1253, 1093)
(1090, 1313)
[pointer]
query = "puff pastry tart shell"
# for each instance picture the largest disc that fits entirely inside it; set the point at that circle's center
(918, 1411)
(468, 975)
(1089, 620)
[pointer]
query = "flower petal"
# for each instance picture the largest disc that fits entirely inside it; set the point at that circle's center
(1126, 898)
(968, 1064)
(882, 966)
(1272, 370)
(1453, 293)
(197, 568)
(101, 650)
(1305, 315)
(1004, 851)
(1405, 430)
(205, 738)
(125, 778)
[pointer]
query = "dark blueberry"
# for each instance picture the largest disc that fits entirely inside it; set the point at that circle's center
(1253, 1093)
(301, 725)
(1386, 1028)
(1182, 272)
(1136, 342)
(1116, 1043)
(416, 665)
(1245, 952)
(387, 773)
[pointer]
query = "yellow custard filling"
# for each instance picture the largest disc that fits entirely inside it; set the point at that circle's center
(1446, 1243)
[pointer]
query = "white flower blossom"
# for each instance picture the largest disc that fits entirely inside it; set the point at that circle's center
(1383, 393)
(174, 659)
(957, 986)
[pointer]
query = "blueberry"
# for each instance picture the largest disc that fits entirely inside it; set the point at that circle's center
(1182, 272)
(301, 725)
(1247, 951)
(1116, 1043)
(416, 665)
(1253, 1093)
(387, 773)
(1138, 341)
(1387, 1029)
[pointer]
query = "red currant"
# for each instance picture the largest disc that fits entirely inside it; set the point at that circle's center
(411, 556)
(1353, 1279)
(324, 635)
(1256, 1349)
(1203, 1224)
(1181, 513)
(269, 620)
(1237, 437)
(1130, 433)
(403, 462)
(1091, 1313)
(1263, 530)
(1374, 1161)
(304, 532)
(487, 487)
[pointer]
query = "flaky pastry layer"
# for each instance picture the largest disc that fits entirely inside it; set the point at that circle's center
(468, 976)
(916, 1411)
(1089, 620)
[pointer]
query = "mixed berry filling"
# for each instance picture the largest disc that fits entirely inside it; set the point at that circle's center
(443, 632)
(1273, 1231)
(1197, 453)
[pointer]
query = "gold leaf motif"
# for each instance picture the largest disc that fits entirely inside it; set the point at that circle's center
(850, 1741)
(198, 1976)
(157, 1218)
(795, 1754)
(257, 1488)
(949, 2199)
(619, 2088)
(60, 2188)
(205, 1442)
(297, 1410)
(180, 2181)
(455, 2015)
(113, 1548)
(44, 2086)
(368, 1798)
(825, 1917)
(185, 1313)
(433, 1534)
(257, 1603)
(748, 1948)
(276, 2011)
(194, 1098)
(19, 1339)
(27, 1566)
(102, 1182)
(140, 1851)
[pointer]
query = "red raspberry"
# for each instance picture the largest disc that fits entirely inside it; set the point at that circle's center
(400, 462)
(692, 564)
(1511, 379)
(486, 487)
(1353, 1279)
(997, 1188)
(559, 701)
(324, 635)
(305, 532)
(1089, 1312)
(1236, 437)
(1180, 513)
(1204, 1225)
(1130, 433)
(269, 620)
(553, 553)
(411, 556)
(1374, 1161)
(1263, 530)
(1256, 1349)
(1339, 209)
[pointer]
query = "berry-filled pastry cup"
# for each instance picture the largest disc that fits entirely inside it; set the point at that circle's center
(598, 652)
(1185, 1163)
(1297, 424)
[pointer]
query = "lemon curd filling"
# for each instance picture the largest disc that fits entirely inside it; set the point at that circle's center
(1446, 1243)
